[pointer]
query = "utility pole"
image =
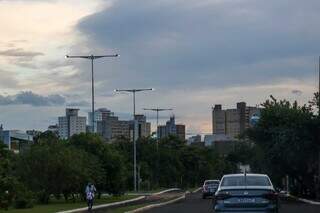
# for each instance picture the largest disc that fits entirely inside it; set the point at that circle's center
(157, 110)
(92, 58)
(134, 91)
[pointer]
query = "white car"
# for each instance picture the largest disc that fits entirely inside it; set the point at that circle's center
(246, 193)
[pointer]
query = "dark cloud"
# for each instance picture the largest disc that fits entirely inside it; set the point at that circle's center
(19, 52)
(33, 99)
(202, 43)
(79, 104)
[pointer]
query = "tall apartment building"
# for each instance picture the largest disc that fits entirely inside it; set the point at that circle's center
(71, 124)
(181, 131)
(143, 127)
(172, 129)
(232, 122)
(99, 115)
(111, 127)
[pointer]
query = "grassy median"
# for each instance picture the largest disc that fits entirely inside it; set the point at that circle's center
(60, 205)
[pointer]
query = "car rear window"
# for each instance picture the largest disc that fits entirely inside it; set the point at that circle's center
(212, 182)
(248, 181)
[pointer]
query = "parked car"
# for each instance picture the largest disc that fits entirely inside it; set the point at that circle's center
(209, 188)
(246, 193)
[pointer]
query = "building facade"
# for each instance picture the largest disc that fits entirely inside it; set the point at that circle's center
(71, 124)
(110, 127)
(194, 139)
(171, 128)
(100, 115)
(15, 140)
(232, 122)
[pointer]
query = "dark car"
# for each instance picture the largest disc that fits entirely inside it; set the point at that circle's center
(209, 188)
(246, 193)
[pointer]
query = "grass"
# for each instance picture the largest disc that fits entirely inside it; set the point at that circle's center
(59, 205)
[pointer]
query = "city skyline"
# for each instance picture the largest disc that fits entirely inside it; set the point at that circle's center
(195, 54)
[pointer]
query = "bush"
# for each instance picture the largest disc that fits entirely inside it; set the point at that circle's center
(23, 203)
(23, 199)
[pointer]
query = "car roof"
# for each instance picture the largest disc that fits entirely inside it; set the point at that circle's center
(248, 174)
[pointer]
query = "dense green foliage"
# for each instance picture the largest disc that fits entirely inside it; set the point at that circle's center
(285, 142)
(62, 168)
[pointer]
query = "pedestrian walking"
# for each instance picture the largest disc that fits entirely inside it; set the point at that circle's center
(90, 190)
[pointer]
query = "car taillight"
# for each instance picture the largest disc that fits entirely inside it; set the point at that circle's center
(222, 195)
(271, 195)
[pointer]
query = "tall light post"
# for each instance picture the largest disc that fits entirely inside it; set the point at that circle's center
(92, 58)
(157, 110)
(134, 91)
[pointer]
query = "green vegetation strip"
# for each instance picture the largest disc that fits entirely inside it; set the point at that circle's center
(57, 205)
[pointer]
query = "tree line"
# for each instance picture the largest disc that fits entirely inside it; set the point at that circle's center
(285, 142)
(61, 168)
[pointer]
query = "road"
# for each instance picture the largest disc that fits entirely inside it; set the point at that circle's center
(195, 204)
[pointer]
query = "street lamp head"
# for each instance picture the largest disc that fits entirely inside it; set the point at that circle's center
(153, 89)
(66, 56)
(117, 55)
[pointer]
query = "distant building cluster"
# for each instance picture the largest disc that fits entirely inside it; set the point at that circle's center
(232, 122)
(106, 124)
(171, 128)
(227, 126)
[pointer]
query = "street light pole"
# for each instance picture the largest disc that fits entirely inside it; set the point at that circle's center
(92, 58)
(134, 91)
(158, 156)
(157, 110)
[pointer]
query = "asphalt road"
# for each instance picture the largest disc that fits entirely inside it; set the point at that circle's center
(195, 204)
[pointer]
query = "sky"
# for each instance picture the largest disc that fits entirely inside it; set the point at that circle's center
(194, 53)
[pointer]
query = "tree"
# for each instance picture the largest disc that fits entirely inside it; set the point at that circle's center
(64, 170)
(286, 134)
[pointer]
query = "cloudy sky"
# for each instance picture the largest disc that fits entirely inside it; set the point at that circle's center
(194, 53)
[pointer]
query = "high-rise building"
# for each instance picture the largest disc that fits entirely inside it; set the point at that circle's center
(171, 128)
(232, 122)
(99, 115)
(71, 124)
(143, 127)
(181, 131)
(111, 127)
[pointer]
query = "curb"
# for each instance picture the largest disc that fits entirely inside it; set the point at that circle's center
(104, 205)
(305, 200)
(198, 189)
(117, 203)
(142, 209)
(167, 190)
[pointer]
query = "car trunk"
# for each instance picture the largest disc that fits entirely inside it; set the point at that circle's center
(250, 198)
